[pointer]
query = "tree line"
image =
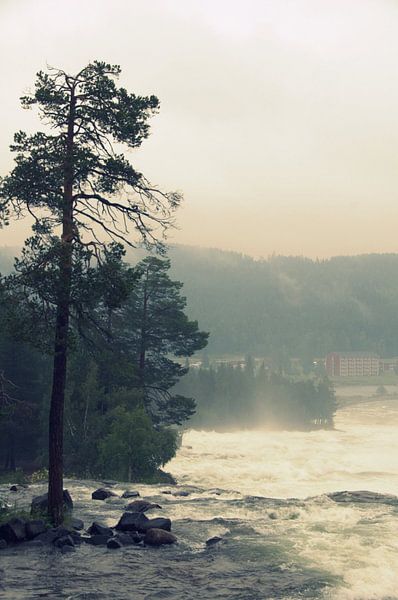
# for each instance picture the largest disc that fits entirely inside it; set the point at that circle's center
(229, 396)
(121, 412)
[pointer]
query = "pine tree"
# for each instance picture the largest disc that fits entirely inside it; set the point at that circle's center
(164, 331)
(80, 191)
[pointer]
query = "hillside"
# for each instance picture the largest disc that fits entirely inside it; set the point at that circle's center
(292, 306)
(287, 306)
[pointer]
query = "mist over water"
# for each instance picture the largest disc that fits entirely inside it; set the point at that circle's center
(361, 451)
(264, 493)
(357, 543)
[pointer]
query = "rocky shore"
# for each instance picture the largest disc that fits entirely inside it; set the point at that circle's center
(133, 526)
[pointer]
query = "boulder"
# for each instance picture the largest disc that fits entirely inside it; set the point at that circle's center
(86, 539)
(181, 493)
(66, 540)
(364, 497)
(130, 494)
(53, 534)
(40, 503)
(128, 538)
(114, 544)
(166, 492)
(141, 506)
(3, 544)
(14, 488)
(132, 522)
(159, 523)
(159, 537)
(137, 537)
(110, 482)
(13, 531)
(102, 494)
(125, 539)
(98, 529)
(35, 528)
(213, 541)
(35, 543)
(76, 537)
(77, 524)
(99, 540)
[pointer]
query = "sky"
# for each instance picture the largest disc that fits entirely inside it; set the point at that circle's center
(278, 119)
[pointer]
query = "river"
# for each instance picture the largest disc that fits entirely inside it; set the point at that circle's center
(264, 493)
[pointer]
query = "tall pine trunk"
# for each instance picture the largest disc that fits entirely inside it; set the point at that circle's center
(143, 336)
(56, 420)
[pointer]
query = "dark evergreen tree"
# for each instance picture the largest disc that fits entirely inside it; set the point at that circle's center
(154, 326)
(73, 180)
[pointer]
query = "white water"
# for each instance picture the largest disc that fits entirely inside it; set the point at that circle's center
(309, 547)
(358, 543)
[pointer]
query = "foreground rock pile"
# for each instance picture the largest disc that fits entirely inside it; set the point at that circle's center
(134, 527)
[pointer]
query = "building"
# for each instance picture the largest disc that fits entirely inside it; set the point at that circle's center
(389, 365)
(352, 364)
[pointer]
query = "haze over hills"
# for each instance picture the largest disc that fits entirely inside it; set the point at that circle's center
(292, 306)
(286, 306)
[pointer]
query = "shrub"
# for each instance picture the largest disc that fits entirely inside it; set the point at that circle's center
(133, 448)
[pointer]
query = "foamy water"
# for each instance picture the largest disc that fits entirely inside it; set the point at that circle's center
(264, 493)
(356, 543)
(361, 451)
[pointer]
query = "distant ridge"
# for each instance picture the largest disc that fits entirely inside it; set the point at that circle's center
(286, 306)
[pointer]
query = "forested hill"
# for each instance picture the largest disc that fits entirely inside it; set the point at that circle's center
(287, 306)
(292, 306)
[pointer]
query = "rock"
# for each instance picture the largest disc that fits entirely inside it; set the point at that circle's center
(13, 531)
(166, 492)
(137, 537)
(99, 540)
(213, 541)
(110, 482)
(102, 494)
(364, 497)
(35, 543)
(125, 539)
(14, 488)
(130, 494)
(159, 523)
(3, 544)
(40, 503)
(98, 529)
(113, 544)
(86, 539)
(137, 521)
(159, 537)
(141, 506)
(66, 540)
(181, 493)
(35, 528)
(273, 516)
(51, 535)
(77, 524)
(67, 549)
(132, 522)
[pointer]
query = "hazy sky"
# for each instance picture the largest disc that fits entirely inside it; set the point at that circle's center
(278, 121)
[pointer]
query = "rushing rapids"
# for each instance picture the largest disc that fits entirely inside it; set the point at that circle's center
(270, 497)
